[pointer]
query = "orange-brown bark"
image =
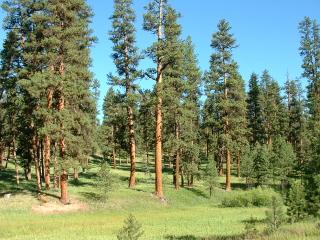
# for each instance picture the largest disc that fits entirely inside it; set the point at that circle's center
(228, 171)
(47, 143)
(159, 121)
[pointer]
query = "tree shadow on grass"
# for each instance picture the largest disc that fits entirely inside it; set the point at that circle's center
(216, 237)
(197, 192)
(91, 196)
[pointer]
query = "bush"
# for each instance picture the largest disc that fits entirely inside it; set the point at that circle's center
(275, 216)
(256, 197)
(296, 202)
(131, 229)
(106, 180)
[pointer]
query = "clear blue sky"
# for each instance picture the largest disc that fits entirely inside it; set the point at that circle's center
(266, 31)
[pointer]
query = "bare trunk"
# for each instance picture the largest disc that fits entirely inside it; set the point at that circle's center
(2, 164)
(114, 158)
(147, 151)
(159, 122)
(226, 132)
(132, 181)
(239, 165)
(56, 177)
(47, 158)
(64, 175)
(207, 143)
(64, 187)
(113, 150)
(228, 175)
(27, 168)
(220, 165)
(177, 170)
(14, 151)
(75, 174)
(47, 143)
(35, 143)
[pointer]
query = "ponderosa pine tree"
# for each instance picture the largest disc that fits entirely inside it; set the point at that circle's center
(273, 110)
(126, 58)
(10, 65)
(254, 110)
(261, 164)
(227, 87)
(163, 53)
(20, 18)
(282, 161)
(296, 120)
(114, 125)
(75, 102)
(173, 90)
(310, 51)
(52, 36)
(190, 124)
(145, 123)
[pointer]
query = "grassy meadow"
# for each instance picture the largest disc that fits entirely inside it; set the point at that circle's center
(187, 214)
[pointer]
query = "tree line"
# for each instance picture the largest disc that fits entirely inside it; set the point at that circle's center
(267, 133)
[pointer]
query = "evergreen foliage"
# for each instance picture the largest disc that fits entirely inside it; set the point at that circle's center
(225, 87)
(132, 229)
(275, 216)
(261, 164)
(296, 202)
(211, 176)
(126, 59)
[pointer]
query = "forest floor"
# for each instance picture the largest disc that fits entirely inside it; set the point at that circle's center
(188, 214)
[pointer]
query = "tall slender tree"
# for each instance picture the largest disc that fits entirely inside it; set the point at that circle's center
(126, 59)
(227, 87)
(158, 20)
(310, 51)
(254, 110)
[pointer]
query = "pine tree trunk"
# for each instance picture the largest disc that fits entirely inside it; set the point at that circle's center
(64, 175)
(47, 157)
(113, 150)
(14, 151)
(35, 143)
(47, 141)
(114, 158)
(239, 165)
(182, 177)
(132, 140)
(147, 152)
(75, 174)
(228, 175)
(159, 121)
(42, 162)
(220, 165)
(177, 167)
(27, 169)
(1, 157)
(64, 187)
(56, 177)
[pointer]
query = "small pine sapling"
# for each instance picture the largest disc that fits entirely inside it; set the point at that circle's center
(296, 202)
(132, 229)
(211, 176)
(275, 216)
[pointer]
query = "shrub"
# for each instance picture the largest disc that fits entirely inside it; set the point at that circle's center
(275, 216)
(296, 202)
(131, 229)
(256, 197)
(106, 180)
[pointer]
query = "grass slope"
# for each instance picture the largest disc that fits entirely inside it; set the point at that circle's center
(187, 214)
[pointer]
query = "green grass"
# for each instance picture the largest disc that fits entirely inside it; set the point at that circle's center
(188, 213)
